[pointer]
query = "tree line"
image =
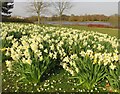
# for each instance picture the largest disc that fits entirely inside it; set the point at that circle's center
(72, 17)
(39, 7)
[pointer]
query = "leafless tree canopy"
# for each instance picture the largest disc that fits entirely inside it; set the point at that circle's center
(61, 7)
(39, 7)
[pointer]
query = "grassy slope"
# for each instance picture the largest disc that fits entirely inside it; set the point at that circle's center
(61, 83)
(109, 31)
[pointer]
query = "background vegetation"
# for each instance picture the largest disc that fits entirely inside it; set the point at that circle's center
(113, 19)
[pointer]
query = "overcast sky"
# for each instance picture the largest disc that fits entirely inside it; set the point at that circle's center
(79, 8)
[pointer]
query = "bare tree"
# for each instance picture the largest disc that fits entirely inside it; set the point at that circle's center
(61, 7)
(39, 7)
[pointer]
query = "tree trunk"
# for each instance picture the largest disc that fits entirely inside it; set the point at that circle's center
(60, 19)
(38, 18)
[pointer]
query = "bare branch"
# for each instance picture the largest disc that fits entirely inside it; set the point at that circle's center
(61, 7)
(39, 7)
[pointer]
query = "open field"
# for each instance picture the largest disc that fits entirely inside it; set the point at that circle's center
(109, 31)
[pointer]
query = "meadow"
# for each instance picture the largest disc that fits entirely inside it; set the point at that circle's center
(45, 58)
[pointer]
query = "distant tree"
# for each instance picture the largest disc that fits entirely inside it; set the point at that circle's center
(39, 7)
(61, 7)
(5, 8)
(74, 18)
(114, 20)
(72, 15)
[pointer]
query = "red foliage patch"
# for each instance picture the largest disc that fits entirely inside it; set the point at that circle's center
(99, 25)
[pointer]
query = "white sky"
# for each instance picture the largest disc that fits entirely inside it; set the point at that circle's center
(80, 7)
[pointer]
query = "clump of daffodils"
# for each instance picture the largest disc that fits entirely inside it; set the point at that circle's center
(62, 44)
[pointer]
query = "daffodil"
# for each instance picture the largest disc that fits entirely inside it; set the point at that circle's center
(29, 61)
(66, 59)
(46, 51)
(41, 58)
(112, 66)
(9, 65)
(70, 46)
(34, 47)
(95, 61)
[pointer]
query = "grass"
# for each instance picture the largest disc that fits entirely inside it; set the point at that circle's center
(56, 81)
(109, 31)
